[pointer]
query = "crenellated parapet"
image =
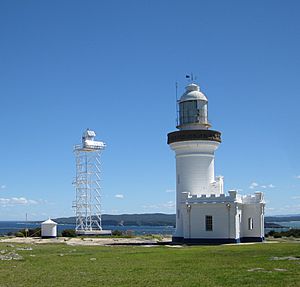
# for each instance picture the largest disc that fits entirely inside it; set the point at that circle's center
(232, 197)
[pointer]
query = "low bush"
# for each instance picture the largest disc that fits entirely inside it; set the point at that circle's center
(117, 233)
(129, 233)
(36, 232)
(126, 233)
(68, 233)
(290, 233)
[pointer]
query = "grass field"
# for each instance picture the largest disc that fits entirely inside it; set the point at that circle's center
(276, 264)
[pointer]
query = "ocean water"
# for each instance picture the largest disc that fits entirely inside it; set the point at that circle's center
(14, 226)
(287, 224)
(292, 224)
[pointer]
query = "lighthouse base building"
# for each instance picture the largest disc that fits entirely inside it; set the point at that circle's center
(204, 214)
(220, 219)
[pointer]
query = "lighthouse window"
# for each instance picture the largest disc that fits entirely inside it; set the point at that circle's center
(250, 223)
(202, 112)
(188, 112)
(208, 223)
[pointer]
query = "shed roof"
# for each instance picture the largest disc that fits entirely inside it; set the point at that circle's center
(49, 221)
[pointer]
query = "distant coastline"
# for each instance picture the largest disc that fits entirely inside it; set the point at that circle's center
(146, 219)
(161, 219)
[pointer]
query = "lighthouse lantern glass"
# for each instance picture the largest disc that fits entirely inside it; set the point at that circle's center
(193, 112)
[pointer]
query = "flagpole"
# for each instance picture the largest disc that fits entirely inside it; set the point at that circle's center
(176, 95)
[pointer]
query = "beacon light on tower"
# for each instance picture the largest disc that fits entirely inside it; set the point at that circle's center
(89, 143)
(204, 214)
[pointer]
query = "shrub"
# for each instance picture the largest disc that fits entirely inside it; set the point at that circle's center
(271, 233)
(30, 233)
(290, 233)
(37, 232)
(117, 233)
(19, 234)
(129, 233)
(68, 233)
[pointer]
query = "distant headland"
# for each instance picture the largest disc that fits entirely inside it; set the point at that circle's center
(161, 219)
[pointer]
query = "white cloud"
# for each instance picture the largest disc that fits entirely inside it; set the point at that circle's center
(170, 190)
(253, 185)
(169, 204)
(297, 176)
(268, 186)
(286, 209)
(270, 208)
(44, 201)
(295, 197)
(114, 211)
(236, 188)
(3, 186)
(13, 201)
(151, 206)
(120, 196)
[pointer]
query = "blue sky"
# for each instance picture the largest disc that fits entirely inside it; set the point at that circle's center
(111, 66)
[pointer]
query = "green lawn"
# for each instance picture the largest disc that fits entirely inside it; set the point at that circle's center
(62, 265)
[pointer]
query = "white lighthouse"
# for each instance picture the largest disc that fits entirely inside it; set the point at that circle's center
(204, 214)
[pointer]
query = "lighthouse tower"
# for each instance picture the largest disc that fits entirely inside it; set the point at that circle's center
(87, 184)
(203, 213)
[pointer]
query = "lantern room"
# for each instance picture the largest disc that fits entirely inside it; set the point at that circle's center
(193, 109)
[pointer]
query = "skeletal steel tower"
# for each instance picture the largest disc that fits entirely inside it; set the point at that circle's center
(87, 183)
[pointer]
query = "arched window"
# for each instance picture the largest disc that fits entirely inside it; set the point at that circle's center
(250, 223)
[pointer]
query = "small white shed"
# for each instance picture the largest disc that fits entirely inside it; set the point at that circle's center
(49, 229)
